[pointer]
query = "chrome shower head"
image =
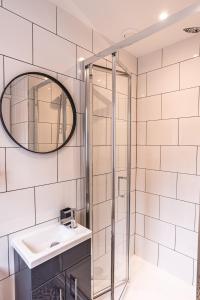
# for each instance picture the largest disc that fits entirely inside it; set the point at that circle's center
(192, 29)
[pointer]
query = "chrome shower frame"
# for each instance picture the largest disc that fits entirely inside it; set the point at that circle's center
(89, 158)
(88, 63)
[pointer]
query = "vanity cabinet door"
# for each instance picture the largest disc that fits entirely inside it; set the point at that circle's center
(78, 281)
(53, 289)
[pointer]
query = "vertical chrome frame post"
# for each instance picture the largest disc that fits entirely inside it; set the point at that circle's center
(88, 145)
(128, 175)
(113, 175)
(89, 157)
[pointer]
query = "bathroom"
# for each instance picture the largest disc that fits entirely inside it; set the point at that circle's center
(99, 149)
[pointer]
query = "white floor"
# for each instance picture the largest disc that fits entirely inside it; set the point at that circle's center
(149, 282)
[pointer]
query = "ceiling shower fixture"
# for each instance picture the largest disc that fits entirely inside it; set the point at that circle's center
(192, 29)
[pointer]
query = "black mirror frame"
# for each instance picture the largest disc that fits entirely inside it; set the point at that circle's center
(70, 100)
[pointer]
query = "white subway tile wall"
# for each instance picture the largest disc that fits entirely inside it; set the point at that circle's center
(168, 153)
(168, 158)
(38, 36)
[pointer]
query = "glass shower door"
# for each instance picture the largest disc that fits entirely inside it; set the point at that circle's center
(121, 147)
(107, 160)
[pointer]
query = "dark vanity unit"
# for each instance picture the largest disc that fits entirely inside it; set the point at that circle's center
(66, 276)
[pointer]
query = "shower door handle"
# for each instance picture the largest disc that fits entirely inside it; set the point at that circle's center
(120, 178)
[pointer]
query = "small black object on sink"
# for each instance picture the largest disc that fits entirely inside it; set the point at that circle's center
(68, 217)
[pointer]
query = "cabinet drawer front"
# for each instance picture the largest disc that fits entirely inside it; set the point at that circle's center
(46, 271)
(76, 254)
(54, 289)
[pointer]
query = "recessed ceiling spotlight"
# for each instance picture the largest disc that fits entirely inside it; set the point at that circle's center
(192, 29)
(163, 16)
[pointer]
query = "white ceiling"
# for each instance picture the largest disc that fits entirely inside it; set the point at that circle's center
(112, 17)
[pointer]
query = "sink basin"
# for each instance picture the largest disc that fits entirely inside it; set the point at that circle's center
(47, 242)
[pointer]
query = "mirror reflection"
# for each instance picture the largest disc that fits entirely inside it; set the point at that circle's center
(38, 112)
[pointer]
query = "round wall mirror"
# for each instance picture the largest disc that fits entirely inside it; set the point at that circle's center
(38, 112)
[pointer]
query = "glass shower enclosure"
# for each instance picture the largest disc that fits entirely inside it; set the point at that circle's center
(108, 163)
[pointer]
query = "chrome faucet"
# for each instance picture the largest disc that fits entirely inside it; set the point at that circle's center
(68, 217)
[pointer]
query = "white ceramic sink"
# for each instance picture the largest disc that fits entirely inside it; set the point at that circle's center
(43, 244)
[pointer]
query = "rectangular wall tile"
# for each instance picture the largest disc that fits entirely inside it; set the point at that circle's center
(139, 222)
(188, 188)
(149, 108)
(177, 212)
(180, 51)
(180, 104)
(50, 199)
(99, 188)
(161, 183)
(140, 180)
(175, 263)
(4, 268)
(147, 204)
(128, 60)
(142, 86)
(46, 44)
(16, 39)
(39, 12)
(101, 216)
(189, 131)
(73, 30)
(141, 133)
(164, 132)
(7, 288)
(99, 244)
(149, 62)
(21, 215)
(173, 158)
(197, 218)
(187, 68)
(186, 242)
(69, 163)
(99, 130)
(99, 42)
(101, 159)
(146, 249)
(34, 169)
(163, 80)
(160, 232)
(148, 157)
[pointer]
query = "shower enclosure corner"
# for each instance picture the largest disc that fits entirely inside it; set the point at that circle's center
(108, 163)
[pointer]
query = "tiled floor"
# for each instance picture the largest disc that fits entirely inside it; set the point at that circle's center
(149, 282)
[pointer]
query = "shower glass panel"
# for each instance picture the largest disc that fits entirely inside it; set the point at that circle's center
(108, 175)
